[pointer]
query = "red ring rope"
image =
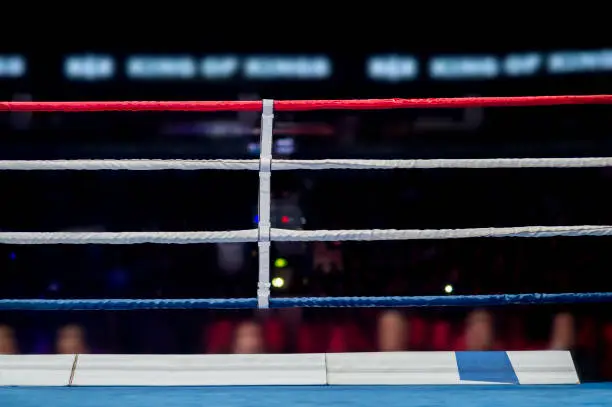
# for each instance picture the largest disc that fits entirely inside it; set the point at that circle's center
(301, 105)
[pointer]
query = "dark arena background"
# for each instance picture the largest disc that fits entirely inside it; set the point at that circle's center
(150, 201)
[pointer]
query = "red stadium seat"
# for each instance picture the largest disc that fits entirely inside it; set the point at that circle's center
(607, 331)
(312, 338)
(607, 359)
(587, 334)
(219, 337)
(441, 336)
(274, 332)
(417, 333)
(515, 334)
(338, 340)
(356, 340)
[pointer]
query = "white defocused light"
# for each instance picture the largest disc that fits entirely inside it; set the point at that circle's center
(278, 282)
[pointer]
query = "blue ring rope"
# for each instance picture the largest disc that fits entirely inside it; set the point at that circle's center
(233, 303)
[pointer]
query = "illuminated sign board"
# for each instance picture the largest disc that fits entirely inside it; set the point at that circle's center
(161, 67)
(228, 67)
(382, 68)
(392, 68)
(580, 61)
(89, 67)
(395, 68)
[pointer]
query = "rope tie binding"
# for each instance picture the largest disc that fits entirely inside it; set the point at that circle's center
(265, 165)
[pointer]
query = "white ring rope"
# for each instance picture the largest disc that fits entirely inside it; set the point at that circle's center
(128, 237)
(284, 165)
(442, 163)
(426, 234)
(237, 236)
(134, 165)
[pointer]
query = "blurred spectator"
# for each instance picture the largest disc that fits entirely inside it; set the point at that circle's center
(248, 338)
(8, 342)
(71, 339)
(563, 332)
(479, 331)
(392, 332)
(327, 258)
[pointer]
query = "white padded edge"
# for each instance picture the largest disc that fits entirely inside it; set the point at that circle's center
(35, 370)
(199, 370)
(544, 367)
(392, 368)
(440, 368)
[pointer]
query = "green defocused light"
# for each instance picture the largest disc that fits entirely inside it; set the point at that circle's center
(280, 263)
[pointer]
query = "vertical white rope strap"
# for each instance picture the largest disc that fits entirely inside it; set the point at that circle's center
(263, 218)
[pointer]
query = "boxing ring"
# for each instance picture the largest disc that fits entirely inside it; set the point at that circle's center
(278, 396)
(67, 380)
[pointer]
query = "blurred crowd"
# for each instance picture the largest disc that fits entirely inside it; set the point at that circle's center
(363, 330)
(389, 330)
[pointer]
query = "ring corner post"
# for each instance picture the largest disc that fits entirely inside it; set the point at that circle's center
(263, 226)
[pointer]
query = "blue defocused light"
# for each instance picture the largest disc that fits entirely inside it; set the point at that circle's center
(118, 278)
(256, 219)
(12, 256)
(53, 287)
(12, 66)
